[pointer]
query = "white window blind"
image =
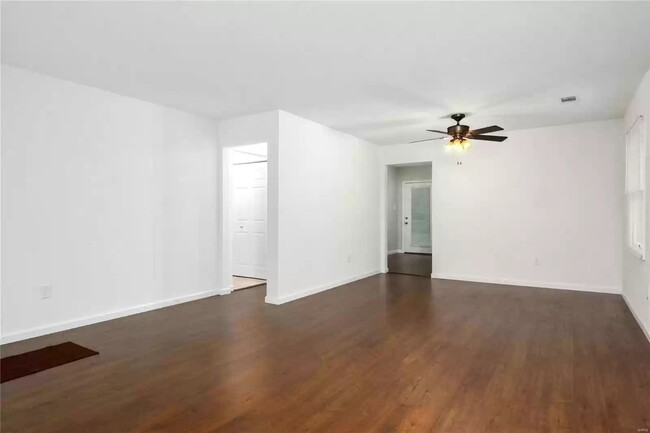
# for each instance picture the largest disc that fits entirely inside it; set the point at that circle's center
(635, 151)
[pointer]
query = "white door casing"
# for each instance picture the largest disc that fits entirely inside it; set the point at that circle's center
(416, 217)
(249, 190)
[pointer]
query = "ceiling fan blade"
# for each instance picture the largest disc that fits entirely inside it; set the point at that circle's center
(487, 137)
(439, 132)
(486, 130)
(428, 139)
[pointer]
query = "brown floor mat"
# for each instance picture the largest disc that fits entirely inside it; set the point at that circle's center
(17, 366)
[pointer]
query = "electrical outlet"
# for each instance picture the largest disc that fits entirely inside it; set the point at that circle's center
(349, 258)
(536, 262)
(44, 292)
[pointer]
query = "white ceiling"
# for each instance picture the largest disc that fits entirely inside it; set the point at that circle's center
(380, 71)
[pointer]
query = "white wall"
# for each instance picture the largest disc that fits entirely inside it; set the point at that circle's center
(111, 200)
(550, 196)
(635, 275)
(328, 208)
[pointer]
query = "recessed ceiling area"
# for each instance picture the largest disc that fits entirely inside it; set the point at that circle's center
(382, 71)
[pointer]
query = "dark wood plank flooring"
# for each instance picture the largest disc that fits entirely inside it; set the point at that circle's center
(410, 264)
(391, 353)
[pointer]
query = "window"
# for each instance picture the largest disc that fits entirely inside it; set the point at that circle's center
(635, 150)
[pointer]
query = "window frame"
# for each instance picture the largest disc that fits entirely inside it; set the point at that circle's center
(635, 195)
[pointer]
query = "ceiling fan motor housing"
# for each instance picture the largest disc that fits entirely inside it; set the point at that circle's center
(458, 131)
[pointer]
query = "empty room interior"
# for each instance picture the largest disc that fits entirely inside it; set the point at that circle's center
(279, 217)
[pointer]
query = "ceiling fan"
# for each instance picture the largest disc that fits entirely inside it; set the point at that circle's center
(461, 134)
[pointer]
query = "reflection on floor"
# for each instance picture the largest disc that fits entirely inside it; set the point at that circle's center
(245, 282)
(412, 264)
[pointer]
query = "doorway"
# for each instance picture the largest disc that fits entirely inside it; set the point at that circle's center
(408, 219)
(248, 180)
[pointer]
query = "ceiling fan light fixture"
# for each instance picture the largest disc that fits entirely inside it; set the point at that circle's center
(458, 144)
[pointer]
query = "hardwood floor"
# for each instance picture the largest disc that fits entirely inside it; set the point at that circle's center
(411, 264)
(390, 353)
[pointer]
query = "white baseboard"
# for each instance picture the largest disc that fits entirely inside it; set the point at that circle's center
(527, 283)
(636, 317)
(292, 297)
(395, 252)
(89, 320)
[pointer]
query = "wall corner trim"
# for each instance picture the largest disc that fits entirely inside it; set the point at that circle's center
(102, 317)
(314, 290)
(636, 317)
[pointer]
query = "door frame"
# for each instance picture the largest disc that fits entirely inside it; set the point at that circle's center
(225, 211)
(401, 223)
(401, 159)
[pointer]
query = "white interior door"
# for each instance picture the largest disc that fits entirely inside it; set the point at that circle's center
(249, 225)
(416, 217)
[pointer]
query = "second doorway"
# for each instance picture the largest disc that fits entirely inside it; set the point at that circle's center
(409, 219)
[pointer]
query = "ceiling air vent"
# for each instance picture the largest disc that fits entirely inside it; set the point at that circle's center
(569, 99)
